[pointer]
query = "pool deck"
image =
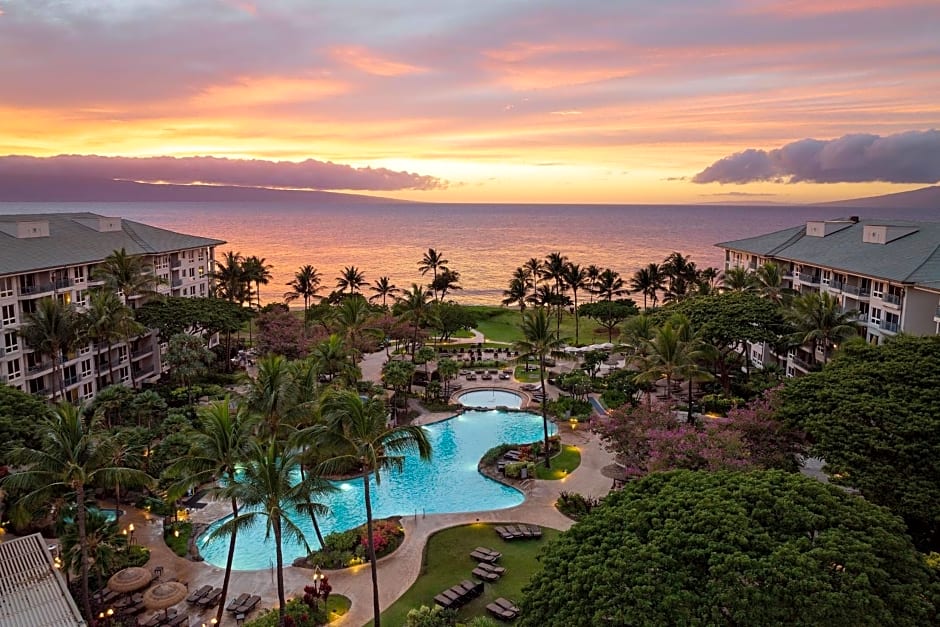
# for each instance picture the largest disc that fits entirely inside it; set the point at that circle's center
(396, 572)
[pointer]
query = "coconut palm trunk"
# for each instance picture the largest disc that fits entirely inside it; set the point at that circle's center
(313, 515)
(82, 531)
(229, 560)
(544, 406)
(279, 554)
(371, 547)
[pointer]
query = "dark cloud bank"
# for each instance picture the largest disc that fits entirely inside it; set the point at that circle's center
(910, 157)
(73, 177)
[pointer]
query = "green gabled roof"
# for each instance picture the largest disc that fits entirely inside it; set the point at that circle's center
(913, 258)
(70, 242)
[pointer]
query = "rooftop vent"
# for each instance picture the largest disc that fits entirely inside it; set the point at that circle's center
(883, 233)
(822, 228)
(26, 229)
(102, 224)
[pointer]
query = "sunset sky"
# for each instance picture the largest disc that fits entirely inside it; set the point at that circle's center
(620, 101)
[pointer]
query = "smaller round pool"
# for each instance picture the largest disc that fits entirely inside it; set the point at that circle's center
(491, 399)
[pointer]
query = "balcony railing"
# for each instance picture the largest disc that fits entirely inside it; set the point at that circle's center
(71, 381)
(61, 284)
(892, 299)
(836, 286)
(28, 290)
(891, 327)
(800, 363)
(177, 282)
(39, 367)
(176, 264)
(810, 279)
(936, 314)
(141, 352)
(143, 373)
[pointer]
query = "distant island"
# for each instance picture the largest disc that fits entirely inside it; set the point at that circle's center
(42, 189)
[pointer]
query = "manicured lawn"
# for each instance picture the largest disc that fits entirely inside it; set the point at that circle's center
(562, 464)
(336, 606)
(505, 325)
(532, 376)
(447, 562)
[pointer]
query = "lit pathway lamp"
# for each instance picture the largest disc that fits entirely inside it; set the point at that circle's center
(320, 588)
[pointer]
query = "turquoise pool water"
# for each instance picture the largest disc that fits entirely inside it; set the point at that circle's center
(449, 483)
(490, 398)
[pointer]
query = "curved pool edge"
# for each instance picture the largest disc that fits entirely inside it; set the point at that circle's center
(520, 399)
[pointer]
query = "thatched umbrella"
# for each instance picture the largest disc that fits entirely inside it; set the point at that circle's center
(130, 579)
(164, 595)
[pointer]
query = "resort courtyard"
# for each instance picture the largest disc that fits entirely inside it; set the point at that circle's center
(398, 571)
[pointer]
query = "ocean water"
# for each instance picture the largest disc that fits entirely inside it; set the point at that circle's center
(484, 242)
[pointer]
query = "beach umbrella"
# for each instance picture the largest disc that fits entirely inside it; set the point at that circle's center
(164, 595)
(130, 579)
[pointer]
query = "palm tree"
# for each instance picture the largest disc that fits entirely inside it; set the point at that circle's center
(331, 358)
(594, 274)
(352, 319)
(769, 279)
(383, 287)
(218, 444)
(446, 280)
(738, 279)
(128, 275)
(50, 331)
(102, 322)
(447, 369)
(681, 274)
(669, 354)
(647, 281)
(517, 294)
(102, 541)
(358, 430)
(352, 278)
(272, 394)
(267, 491)
(432, 261)
(540, 342)
(533, 268)
(306, 284)
(576, 278)
(231, 282)
(255, 270)
(73, 456)
(818, 319)
(609, 284)
(413, 307)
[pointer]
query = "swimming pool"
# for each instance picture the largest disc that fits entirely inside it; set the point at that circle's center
(449, 483)
(491, 398)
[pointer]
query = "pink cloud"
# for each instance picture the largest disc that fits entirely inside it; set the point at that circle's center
(366, 61)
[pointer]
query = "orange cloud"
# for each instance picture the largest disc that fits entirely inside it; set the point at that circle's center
(370, 63)
(796, 8)
(268, 90)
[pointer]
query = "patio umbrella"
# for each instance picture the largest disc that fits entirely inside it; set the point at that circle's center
(164, 595)
(130, 579)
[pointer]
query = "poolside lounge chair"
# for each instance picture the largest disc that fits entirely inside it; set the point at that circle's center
(501, 612)
(505, 533)
(196, 595)
(507, 605)
(182, 619)
(499, 570)
(483, 554)
(485, 575)
(239, 600)
(248, 605)
(473, 588)
(210, 599)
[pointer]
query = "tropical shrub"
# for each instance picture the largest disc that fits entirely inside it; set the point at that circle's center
(719, 403)
(342, 549)
(513, 470)
(435, 616)
(613, 398)
(297, 614)
(574, 505)
(579, 408)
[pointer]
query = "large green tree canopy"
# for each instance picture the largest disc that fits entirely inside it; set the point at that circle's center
(20, 415)
(202, 316)
(729, 548)
(873, 413)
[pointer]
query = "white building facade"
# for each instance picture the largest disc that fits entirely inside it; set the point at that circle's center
(886, 270)
(55, 256)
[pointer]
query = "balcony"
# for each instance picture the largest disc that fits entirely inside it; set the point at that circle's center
(809, 279)
(40, 367)
(891, 299)
(140, 374)
(799, 363)
(177, 282)
(176, 264)
(890, 327)
(61, 284)
(70, 381)
(141, 352)
(34, 290)
(856, 292)
(836, 286)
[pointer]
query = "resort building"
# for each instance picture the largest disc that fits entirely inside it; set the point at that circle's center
(55, 255)
(886, 270)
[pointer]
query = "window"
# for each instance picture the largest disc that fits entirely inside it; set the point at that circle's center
(8, 314)
(826, 277)
(125, 375)
(84, 350)
(86, 368)
(6, 287)
(69, 375)
(65, 298)
(78, 273)
(13, 369)
(202, 289)
(87, 391)
(875, 317)
(122, 354)
(202, 270)
(81, 298)
(11, 342)
(877, 289)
